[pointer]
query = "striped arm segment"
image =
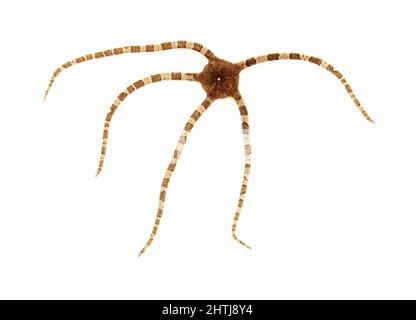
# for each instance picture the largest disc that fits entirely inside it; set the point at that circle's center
(297, 56)
(172, 165)
(247, 165)
(132, 49)
(131, 88)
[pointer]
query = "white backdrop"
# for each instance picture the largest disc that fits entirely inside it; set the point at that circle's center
(330, 210)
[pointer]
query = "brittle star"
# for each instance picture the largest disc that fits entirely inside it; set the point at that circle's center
(219, 79)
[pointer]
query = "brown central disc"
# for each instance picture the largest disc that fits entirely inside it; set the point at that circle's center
(219, 78)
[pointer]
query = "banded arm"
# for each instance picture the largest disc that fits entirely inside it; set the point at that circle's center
(297, 56)
(130, 89)
(172, 165)
(132, 49)
(247, 163)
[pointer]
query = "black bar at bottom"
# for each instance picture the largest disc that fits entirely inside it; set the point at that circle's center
(203, 309)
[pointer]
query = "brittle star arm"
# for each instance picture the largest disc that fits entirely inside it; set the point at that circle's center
(172, 165)
(247, 163)
(297, 56)
(131, 88)
(132, 49)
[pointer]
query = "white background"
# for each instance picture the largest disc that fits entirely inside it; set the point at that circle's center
(330, 210)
